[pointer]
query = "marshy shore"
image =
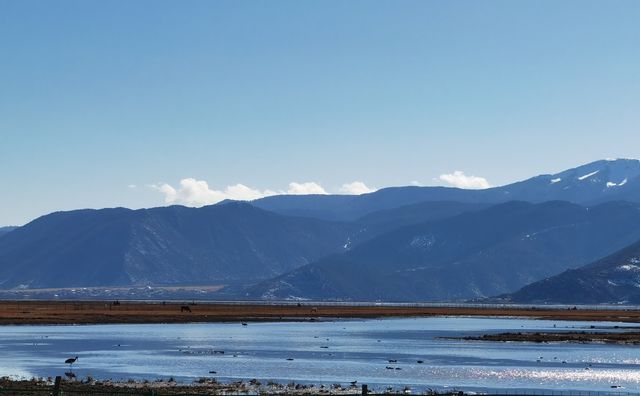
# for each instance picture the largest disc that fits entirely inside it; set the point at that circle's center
(569, 336)
(97, 312)
(203, 386)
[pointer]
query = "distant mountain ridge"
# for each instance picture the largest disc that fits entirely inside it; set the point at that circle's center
(232, 242)
(472, 255)
(235, 242)
(593, 183)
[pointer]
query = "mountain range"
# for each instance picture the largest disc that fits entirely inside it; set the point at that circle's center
(228, 243)
(234, 242)
(399, 243)
(596, 182)
(472, 255)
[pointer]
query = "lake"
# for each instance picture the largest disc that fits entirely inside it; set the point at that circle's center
(327, 352)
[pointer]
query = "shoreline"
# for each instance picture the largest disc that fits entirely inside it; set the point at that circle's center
(202, 386)
(128, 312)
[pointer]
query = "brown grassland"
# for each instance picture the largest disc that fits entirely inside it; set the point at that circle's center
(95, 312)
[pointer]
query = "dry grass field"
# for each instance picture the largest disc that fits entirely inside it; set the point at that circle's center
(93, 312)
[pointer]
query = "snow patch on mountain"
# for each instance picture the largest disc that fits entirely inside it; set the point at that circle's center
(612, 184)
(588, 175)
(422, 241)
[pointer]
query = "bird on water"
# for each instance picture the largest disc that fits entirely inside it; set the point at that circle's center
(71, 361)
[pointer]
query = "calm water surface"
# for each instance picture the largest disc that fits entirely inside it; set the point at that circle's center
(327, 352)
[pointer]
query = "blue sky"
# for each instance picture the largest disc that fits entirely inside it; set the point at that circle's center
(113, 103)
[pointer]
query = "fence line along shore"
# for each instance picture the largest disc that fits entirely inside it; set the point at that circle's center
(95, 312)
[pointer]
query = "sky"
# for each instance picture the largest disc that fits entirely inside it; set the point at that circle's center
(149, 103)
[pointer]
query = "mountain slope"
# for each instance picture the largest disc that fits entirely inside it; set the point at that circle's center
(475, 254)
(235, 242)
(613, 279)
(597, 182)
(5, 230)
(384, 221)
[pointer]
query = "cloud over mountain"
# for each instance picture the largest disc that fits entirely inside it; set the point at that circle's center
(305, 188)
(460, 180)
(192, 192)
(356, 188)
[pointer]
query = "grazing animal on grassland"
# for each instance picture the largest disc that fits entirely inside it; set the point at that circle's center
(185, 308)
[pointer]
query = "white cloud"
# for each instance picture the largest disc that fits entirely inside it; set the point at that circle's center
(132, 186)
(244, 193)
(192, 192)
(305, 188)
(460, 180)
(416, 183)
(355, 188)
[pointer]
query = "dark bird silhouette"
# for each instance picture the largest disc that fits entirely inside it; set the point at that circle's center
(71, 361)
